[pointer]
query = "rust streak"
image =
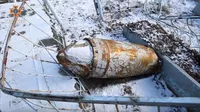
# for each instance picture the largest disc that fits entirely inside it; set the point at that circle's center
(149, 58)
(95, 56)
(108, 57)
(63, 60)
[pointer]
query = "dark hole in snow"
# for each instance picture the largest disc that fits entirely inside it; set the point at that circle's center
(47, 42)
(24, 12)
(127, 90)
(22, 32)
(32, 5)
(32, 13)
(2, 17)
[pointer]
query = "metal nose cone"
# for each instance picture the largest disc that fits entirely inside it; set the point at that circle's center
(77, 57)
(61, 58)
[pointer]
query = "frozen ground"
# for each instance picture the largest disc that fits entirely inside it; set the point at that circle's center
(19, 62)
(80, 20)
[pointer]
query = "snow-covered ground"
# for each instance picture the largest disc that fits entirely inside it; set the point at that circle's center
(80, 20)
(24, 77)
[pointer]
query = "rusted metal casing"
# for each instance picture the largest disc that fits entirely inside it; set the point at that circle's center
(100, 58)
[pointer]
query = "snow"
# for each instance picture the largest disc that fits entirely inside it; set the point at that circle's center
(146, 87)
(80, 52)
(29, 72)
(80, 20)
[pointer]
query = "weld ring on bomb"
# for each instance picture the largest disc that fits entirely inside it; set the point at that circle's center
(93, 63)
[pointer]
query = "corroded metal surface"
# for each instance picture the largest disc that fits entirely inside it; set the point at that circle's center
(77, 57)
(112, 59)
(123, 100)
(121, 59)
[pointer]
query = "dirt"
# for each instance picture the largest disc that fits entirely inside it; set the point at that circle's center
(127, 90)
(169, 45)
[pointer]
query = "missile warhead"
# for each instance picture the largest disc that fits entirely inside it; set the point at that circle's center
(100, 58)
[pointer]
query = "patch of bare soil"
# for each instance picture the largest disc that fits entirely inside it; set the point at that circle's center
(169, 45)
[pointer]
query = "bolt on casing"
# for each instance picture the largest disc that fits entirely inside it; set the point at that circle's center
(100, 58)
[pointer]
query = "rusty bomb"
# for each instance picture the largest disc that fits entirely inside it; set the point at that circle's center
(101, 58)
